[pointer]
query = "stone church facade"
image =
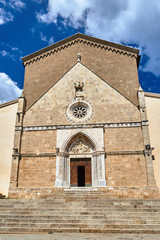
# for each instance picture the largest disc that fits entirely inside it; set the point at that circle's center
(81, 122)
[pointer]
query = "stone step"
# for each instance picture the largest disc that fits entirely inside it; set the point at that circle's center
(81, 217)
(109, 201)
(90, 213)
(85, 208)
(84, 220)
(82, 212)
(82, 225)
(76, 230)
(79, 206)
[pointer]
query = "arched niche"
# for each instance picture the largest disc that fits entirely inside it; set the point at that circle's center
(80, 145)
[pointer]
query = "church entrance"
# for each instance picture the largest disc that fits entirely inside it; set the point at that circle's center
(80, 169)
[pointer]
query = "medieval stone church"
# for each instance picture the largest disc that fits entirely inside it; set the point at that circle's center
(81, 122)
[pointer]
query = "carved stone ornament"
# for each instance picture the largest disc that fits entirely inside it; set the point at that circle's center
(79, 111)
(80, 147)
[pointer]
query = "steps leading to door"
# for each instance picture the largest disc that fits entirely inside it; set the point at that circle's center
(80, 211)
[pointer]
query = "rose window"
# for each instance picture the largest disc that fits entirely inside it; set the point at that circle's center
(80, 112)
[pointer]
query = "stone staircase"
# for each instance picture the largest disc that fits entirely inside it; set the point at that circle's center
(79, 211)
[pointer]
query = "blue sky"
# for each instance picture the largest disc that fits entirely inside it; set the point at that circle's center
(29, 25)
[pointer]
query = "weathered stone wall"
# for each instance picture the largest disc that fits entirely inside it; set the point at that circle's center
(126, 170)
(38, 142)
(116, 68)
(37, 172)
(123, 139)
(108, 104)
(7, 126)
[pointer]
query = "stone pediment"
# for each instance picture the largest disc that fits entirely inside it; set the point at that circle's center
(114, 63)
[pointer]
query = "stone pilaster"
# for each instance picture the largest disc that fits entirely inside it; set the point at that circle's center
(17, 142)
(98, 170)
(62, 170)
(146, 139)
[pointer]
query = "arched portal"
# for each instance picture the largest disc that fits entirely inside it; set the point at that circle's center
(80, 149)
(80, 160)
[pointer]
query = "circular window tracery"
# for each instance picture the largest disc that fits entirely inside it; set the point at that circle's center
(80, 112)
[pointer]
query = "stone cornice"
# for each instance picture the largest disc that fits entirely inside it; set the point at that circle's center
(97, 153)
(101, 125)
(80, 38)
(38, 155)
(130, 152)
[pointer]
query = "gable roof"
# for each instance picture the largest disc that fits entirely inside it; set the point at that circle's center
(86, 38)
(115, 63)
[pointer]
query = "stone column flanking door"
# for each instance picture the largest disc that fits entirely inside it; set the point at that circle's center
(80, 143)
(98, 169)
(62, 170)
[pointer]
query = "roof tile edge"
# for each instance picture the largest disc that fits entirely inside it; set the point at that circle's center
(8, 103)
(150, 94)
(77, 36)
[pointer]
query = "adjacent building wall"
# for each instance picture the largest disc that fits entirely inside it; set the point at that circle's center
(7, 126)
(153, 114)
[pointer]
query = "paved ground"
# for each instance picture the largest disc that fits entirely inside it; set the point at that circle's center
(80, 236)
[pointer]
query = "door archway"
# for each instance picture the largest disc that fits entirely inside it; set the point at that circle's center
(80, 148)
(80, 160)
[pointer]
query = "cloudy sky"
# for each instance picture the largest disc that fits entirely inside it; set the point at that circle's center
(29, 25)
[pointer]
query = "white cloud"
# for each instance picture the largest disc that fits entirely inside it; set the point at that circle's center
(5, 16)
(51, 40)
(5, 11)
(16, 4)
(33, 30)
(72, 10)
(45, 39)
(4, 53)
(113, 20)
(9, 51)
(8, 89)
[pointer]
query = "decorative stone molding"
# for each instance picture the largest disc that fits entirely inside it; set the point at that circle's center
(103, 125)
(38, 155)
(80, 38)
(79, 90)
(79, 111)
(132, 152)
(85, 150)
(80, 146)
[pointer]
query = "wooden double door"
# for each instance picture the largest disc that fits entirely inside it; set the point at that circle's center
(80, 172)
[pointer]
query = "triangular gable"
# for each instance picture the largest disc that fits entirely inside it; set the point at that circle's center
(79, 37)
(114, 63)
(104, 99)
